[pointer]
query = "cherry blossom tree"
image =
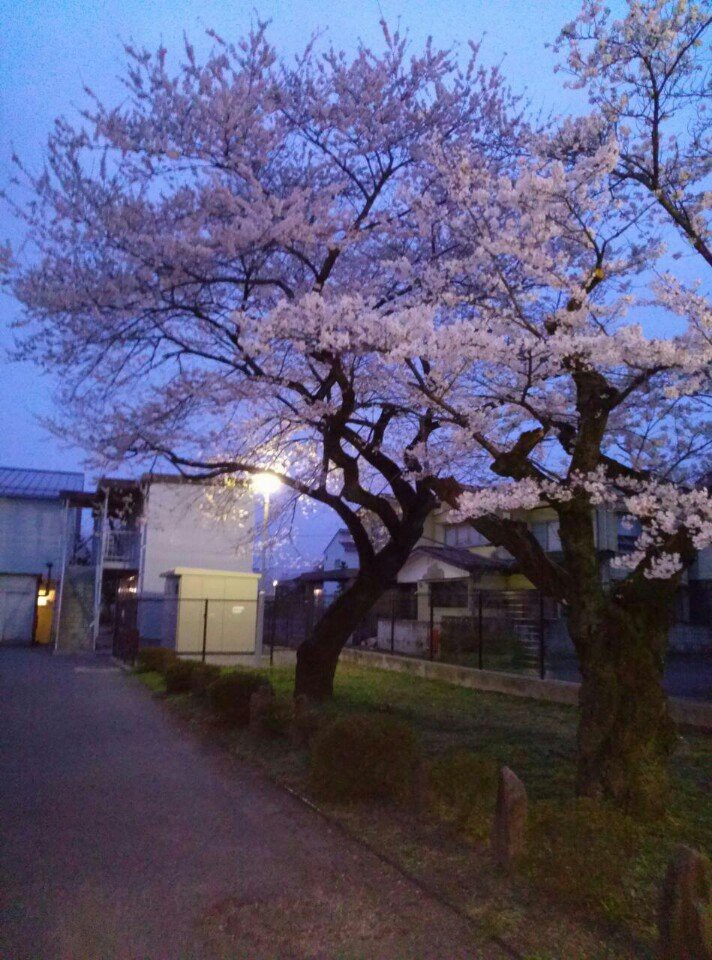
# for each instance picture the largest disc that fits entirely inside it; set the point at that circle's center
(372, 278)
(193, 252)
(537, 359)
(525, 335)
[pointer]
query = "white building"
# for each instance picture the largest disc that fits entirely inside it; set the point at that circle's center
(180, 527)
(141, 530)
(340, 555)
(32, 521)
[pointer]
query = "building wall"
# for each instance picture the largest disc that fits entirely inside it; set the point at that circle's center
(74, 629)
(434, 528)
(30, 535)
(701, 569)
(181, 530)
(341, 553)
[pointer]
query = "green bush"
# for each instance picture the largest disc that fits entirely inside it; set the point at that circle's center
(308, 720)
(457, 636)
(155, 659)
(460, 643)
(202, 676)
(275, 718)
(230, 694)
(179, 676)
(583, 854)
(462, 788)
(364, 757)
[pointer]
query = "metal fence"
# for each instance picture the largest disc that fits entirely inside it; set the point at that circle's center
(514, 631)
(207, 629)
(510, 630)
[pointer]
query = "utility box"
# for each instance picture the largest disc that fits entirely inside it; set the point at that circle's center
(211, 615)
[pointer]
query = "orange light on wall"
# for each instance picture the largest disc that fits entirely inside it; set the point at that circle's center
(45, 599)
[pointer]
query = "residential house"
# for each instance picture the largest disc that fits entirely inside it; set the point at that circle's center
(152, 538)
(33, 518)
(340, 563)
(321, 585)
(453, 567)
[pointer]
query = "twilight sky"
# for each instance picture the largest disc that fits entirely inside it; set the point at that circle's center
(50, 48)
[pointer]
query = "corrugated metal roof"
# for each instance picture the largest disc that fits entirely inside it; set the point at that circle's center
(37, 484)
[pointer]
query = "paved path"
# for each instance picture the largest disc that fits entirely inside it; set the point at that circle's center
(122, 836)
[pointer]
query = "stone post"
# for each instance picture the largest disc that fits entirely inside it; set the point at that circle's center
(685, 914)
(261, 700)
(510, 819)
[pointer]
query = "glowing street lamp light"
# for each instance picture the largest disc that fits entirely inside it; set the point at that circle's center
(265, 484)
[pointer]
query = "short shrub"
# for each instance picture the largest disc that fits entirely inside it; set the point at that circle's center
(307, 721)
(230, 694)
(457, 636)
(275, 718)
(583, 853)
(462, 788)
(179, 676)
(154, 659)
(202, 676)
(364, 757)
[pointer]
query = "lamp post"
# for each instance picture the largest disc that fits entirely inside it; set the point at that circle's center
(265, 484)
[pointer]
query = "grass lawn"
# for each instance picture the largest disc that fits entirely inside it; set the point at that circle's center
(537, 740)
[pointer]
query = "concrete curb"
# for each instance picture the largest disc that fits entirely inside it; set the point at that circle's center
(690, 713)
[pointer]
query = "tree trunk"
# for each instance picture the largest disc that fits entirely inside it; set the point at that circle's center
(625, 734)
(318, 655)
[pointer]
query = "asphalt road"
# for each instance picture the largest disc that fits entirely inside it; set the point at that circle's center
(123, 836)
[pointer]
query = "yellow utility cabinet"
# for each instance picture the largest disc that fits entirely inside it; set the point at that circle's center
(212, 614)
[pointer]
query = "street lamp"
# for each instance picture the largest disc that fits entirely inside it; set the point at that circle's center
(265, 484)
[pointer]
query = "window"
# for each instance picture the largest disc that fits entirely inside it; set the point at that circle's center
(682, 605)
(629, 529)
(449, 593)
(464, 535)
(553, 535)
(546, 533)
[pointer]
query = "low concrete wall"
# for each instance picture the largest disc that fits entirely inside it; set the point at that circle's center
(692, 713)
(556, 691)
(690, 638)
(74, 633)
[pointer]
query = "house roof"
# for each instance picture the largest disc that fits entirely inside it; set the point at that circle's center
(38, 484)
(146, 479)
(457, 557)
(341, 534)
(321, 576)
(342, 573)
(179, 478)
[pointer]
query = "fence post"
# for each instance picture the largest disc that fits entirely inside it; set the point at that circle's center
(259, 624)
(205, 629)
(115, 638)
(432, 624)
(479, 630)
(309, 619)
(542, 651)
(393, 622)
(272, 629)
